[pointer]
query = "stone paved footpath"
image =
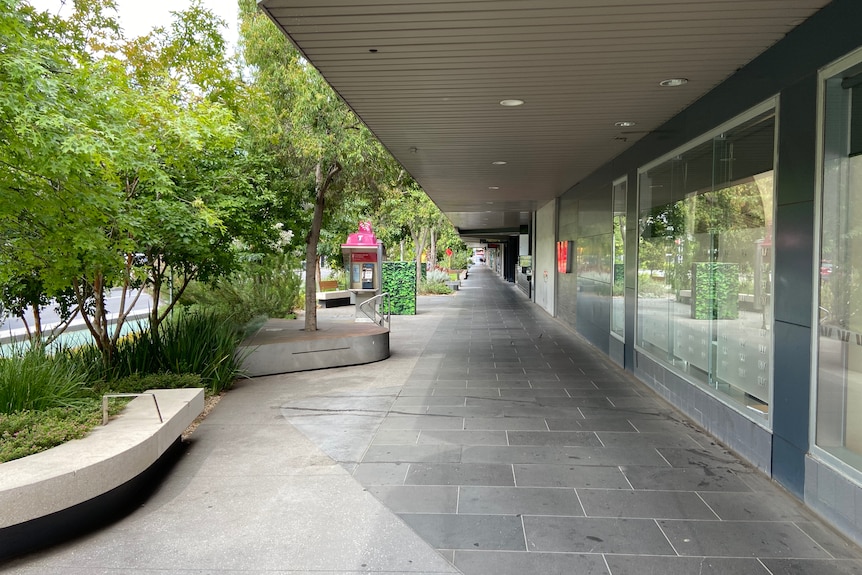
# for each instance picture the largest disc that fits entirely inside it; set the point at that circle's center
(492, 442)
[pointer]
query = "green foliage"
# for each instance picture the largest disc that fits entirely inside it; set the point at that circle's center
(715, 290)
(437, 276)
(399, 281)
(435, 283)
(31, 380)
(268, 287)
(192, 341)
(139, 383)
(27, 432)
(434, 288)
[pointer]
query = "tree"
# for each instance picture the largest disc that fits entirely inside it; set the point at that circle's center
(57, 129)
(411, 209)
(328, 155)
(124, 164)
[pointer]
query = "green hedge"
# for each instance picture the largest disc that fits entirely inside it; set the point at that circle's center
(399, 281)
(715, 290)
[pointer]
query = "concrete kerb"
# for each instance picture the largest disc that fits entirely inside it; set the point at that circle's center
(47, 483)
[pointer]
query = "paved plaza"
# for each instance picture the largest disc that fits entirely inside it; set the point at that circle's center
(493, 442)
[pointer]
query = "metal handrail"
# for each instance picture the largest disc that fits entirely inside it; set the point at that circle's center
(375, 315)
(110, 395)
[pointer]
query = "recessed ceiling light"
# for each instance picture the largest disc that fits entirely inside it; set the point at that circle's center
(670, 82)
(624, 124)
(493, 188)
(511, 103)
(490, 203)
(499, 163)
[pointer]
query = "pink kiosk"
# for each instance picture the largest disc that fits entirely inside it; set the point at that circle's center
(363, 254)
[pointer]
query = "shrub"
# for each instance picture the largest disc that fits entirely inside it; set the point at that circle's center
(31, 380)
(201, 342)
(197, 341)
(139, 383)
(434, 288)
(437, 277)
(27, 432)
(269, 287)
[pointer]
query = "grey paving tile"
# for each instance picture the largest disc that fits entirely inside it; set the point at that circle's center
(464, 392)
(523, 563)
(507, 383)
(542, 411)
(417, 498)
(812, 567)
(636, 402)
(683, 479)
(509, 370)
(468, 437)
(755, 507)
(448, 554)
(570, 438)
(653, 425)
(620, 424)
(412, 453)
(396, 437)
(421, 385)
(567, 383)
(409, 422)
(577, 402)
(741, 539)
(428, 400)
(490, 410)
(646, 565)
(569, 476)
(519, 501)
(631, 413)
(532, 393)
(459, 474)
(445, 531)
(381, 473)
(644, 504)
(576, 393)
(601, 456)
(500, 402)
(648, 440)
(828, 540)
(594, 535)
(715, 459)
(505, 423)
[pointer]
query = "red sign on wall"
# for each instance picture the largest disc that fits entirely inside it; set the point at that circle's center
(364, 257)
(564, 262)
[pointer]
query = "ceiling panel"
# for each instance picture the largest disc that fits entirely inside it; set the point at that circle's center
(427, 77)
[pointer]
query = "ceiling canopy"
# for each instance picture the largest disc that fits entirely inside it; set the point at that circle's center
(498, 106)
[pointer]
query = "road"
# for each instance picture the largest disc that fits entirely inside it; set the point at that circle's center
(49, 316)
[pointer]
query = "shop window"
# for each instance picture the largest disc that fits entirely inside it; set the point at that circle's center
(618, 311)
(704, 296)
(839, 342)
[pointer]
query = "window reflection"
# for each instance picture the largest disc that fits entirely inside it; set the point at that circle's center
(839, 391)
(705, 263)
(618, 312)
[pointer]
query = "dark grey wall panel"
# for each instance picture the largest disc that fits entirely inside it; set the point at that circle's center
(797, 130)
(794, 258)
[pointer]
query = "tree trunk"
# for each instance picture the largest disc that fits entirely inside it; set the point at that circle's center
(322, 184)
(432, 255)
(419, 244)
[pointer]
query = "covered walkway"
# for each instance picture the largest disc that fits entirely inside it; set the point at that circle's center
(492, 435)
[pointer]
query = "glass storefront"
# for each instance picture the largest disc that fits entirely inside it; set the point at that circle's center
(839, 347)
(704, 305)
(618, 311)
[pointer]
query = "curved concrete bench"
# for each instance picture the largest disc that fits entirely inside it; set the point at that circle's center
(36, 490)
